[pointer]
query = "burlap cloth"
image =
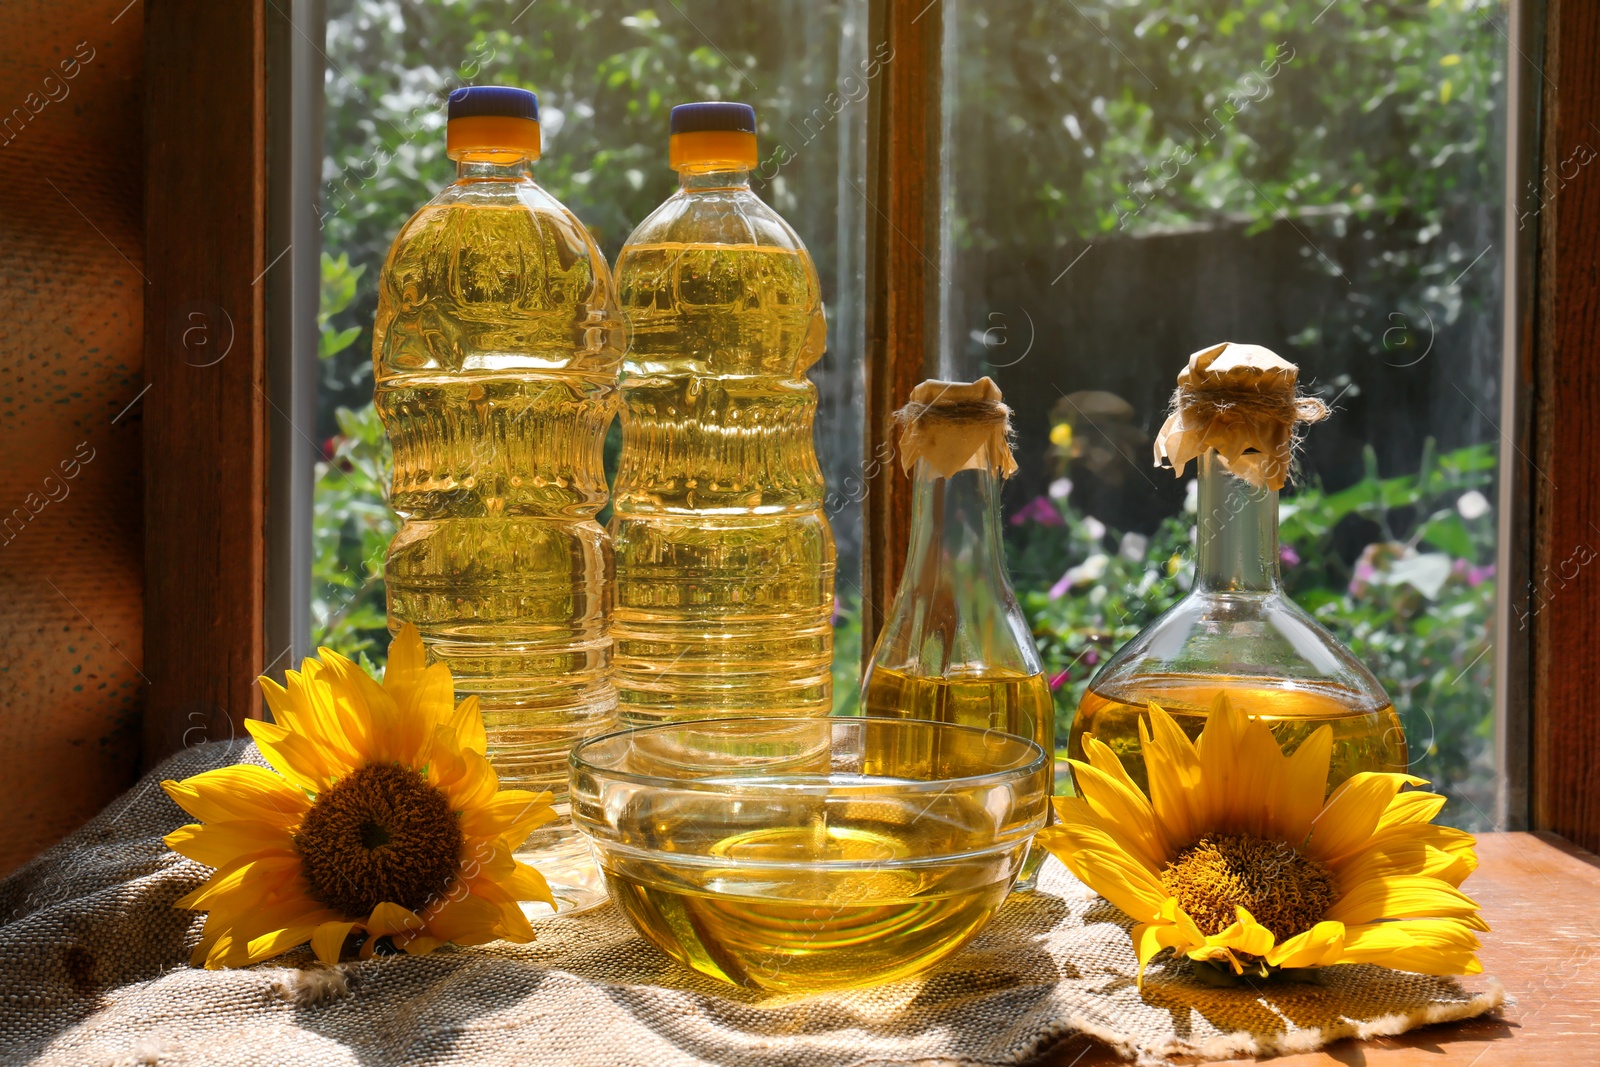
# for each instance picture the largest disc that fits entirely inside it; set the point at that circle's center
(93, 970)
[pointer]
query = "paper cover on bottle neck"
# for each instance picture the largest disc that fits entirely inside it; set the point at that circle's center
(1239, 400)
(956, 426)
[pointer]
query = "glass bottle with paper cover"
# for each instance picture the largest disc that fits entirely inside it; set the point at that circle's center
(1237, 634)
(725, 560)
(957, 647)
(496, 352)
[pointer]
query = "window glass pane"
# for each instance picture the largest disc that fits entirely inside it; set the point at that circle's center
(606, 74)
(1129, 182)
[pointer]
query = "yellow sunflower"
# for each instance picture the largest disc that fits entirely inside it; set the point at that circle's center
(1236, 859)
(387, 819)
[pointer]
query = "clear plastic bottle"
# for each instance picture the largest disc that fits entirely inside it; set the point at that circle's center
(725, 561)
(957, 647)
(1237, 632)
(496, 354)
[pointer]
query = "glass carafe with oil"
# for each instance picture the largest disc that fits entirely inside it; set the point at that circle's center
(957, 647)
(1237, 632)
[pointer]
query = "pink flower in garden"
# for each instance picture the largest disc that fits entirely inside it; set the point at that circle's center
(1059, 680)
(1288, 556)
(1474, 576)
(1038, 510)
(1090, 658)
(1366, 570)
(1088, 572)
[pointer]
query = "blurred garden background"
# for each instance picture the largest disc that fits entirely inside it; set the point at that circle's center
(1126, 182)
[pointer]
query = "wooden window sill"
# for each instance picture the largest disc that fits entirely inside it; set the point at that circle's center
(1538, 894)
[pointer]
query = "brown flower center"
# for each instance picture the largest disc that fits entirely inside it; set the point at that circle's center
(1287, 892)
(381, 833)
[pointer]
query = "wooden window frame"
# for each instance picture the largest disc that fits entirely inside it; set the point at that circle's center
(233, 158)
(223, 470)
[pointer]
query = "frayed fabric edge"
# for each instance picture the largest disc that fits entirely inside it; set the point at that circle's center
(1244, 1043)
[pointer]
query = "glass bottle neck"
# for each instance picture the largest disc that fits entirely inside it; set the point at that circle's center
(955, 611)
(955, 531)
(1237, 533)
(485, 170)
(697, 181)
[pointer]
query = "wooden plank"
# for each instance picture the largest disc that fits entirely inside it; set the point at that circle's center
(1564, 600)
(1536, 891)
(205, 443)
(901, 278)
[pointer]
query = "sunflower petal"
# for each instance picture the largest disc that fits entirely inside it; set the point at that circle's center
(1425, 946)
(1249, 788)
(327, 940)
(243, 791)
(526, 883)
(476, 785)
(1458, 843)
(467, 722)
(301, 760)
(1347, 821)
(282, 705)
(1105, 760)
(1104, 864)
(393, 737)
(466, 919)
(221, 843)
(388, 919)
(1124, 807)
(226, 952)
(1305, 784)
(1402, 897)
(1418, 855)
(513, 925)
(279, 941)
(266, 931)
(1173, 768)
(418, 690)
(508, 813)
(244, 874)
(420, 945)
(341, 716)
(1410, 808)
(1222, 793)
(1149, 939)
(1320, 946)
(1245, 936)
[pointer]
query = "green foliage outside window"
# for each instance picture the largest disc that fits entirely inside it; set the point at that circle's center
(1089, 142)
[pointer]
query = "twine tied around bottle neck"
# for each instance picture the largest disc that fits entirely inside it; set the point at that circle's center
(956, 426)
(1239, 400)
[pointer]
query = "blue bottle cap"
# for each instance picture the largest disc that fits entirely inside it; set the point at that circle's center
(713, 115)
(501, 101)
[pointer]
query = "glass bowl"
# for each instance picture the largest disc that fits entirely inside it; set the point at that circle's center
(808, 854)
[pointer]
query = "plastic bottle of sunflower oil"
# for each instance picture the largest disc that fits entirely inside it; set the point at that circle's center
(725, 560)
(496, 352)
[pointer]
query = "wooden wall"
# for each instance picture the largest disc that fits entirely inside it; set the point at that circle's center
(71, 340)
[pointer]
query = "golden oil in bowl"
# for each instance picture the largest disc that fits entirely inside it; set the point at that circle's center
(810, 854)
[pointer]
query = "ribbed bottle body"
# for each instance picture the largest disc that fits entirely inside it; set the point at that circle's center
(725, 560)
(496, 354)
